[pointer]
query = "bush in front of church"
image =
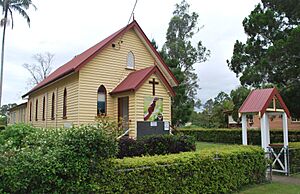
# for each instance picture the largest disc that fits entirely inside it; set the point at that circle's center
(57, 160)
(234, 135)
(227, 171)
(155, 145)
(13, 136)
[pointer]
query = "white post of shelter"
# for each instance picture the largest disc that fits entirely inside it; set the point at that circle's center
(264, 132)
(260, 102)
(244, 129)
(285, 142)
(267, 130)
(285, 130)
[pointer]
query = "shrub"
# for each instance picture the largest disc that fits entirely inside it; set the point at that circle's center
(294, 151)
(57, 160)
(164, 144)
(128, 147)
(188, 172)
(234, 136)
(155, 144)
(14, 136)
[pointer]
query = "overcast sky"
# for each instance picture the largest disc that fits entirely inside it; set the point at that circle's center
(68, 27)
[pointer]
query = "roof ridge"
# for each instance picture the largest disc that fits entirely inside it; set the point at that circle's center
(136, 79)
(76, 63)
(78, 60)
(258, 101)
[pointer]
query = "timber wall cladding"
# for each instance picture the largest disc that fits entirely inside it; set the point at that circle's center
(109, 68)
(131, 111)
(18, 115)
(160, 92)
(71, 84)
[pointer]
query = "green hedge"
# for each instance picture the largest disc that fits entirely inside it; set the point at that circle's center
(187, 172)
(234, 136)
(13, 137)
(54, 160)
(80, 160)
(294, 152)
(155, 144)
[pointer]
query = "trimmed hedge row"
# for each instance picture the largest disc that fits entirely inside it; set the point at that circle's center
(156, 144)
(234, 136)
(187, 172)
(294, 150)
(54, 160)
(80, 160)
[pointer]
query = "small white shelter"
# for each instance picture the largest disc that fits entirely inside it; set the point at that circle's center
(265, 103)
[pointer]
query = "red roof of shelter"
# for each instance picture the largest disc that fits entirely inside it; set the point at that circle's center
(136, 79)
(80, 60)
(259, 100)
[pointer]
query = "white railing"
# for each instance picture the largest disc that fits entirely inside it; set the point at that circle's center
(125, 133)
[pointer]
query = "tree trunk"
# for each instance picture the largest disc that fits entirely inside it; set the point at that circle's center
(2, 54)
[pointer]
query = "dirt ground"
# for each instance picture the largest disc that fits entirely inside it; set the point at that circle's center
(286, 179)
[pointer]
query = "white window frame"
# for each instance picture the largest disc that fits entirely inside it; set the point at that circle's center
(295, 120)
(130, 60)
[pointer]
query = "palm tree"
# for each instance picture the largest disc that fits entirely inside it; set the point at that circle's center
(8, 7)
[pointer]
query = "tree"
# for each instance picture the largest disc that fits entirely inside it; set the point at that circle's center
(221, 104)
(181, 56)
(213, 115)
(4, 113)
(8, 7)
(271, 54)
(214, 110)
(4, 108)
(238, 96)
(40, 70)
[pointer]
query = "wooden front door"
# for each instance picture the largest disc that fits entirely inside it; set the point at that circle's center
(123, 112)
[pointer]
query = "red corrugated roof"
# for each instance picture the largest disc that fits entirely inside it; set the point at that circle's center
(259, 100)
(136, 79)
(80, 60)
(72, 65)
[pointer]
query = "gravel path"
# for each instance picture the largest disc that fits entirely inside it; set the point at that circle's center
(286, 179)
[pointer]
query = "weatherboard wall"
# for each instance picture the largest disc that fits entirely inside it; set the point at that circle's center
(71, 84)
(109, 68)
(17, 115)
(131, 110)
(146, 91)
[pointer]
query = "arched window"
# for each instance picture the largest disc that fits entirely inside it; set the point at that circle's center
(30, 111)
(65, 104)
(36, 109)
(101, 101)
(130, 60)
(44, 106)
(52, 106)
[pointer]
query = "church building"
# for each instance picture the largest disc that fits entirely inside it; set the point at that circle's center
(122, 77)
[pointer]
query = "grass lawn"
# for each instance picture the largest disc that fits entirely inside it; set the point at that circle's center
(207, 145)
(273, 188)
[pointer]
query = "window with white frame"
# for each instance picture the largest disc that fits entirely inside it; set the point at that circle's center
(296, 120)
(101, 101)
(130, 60)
